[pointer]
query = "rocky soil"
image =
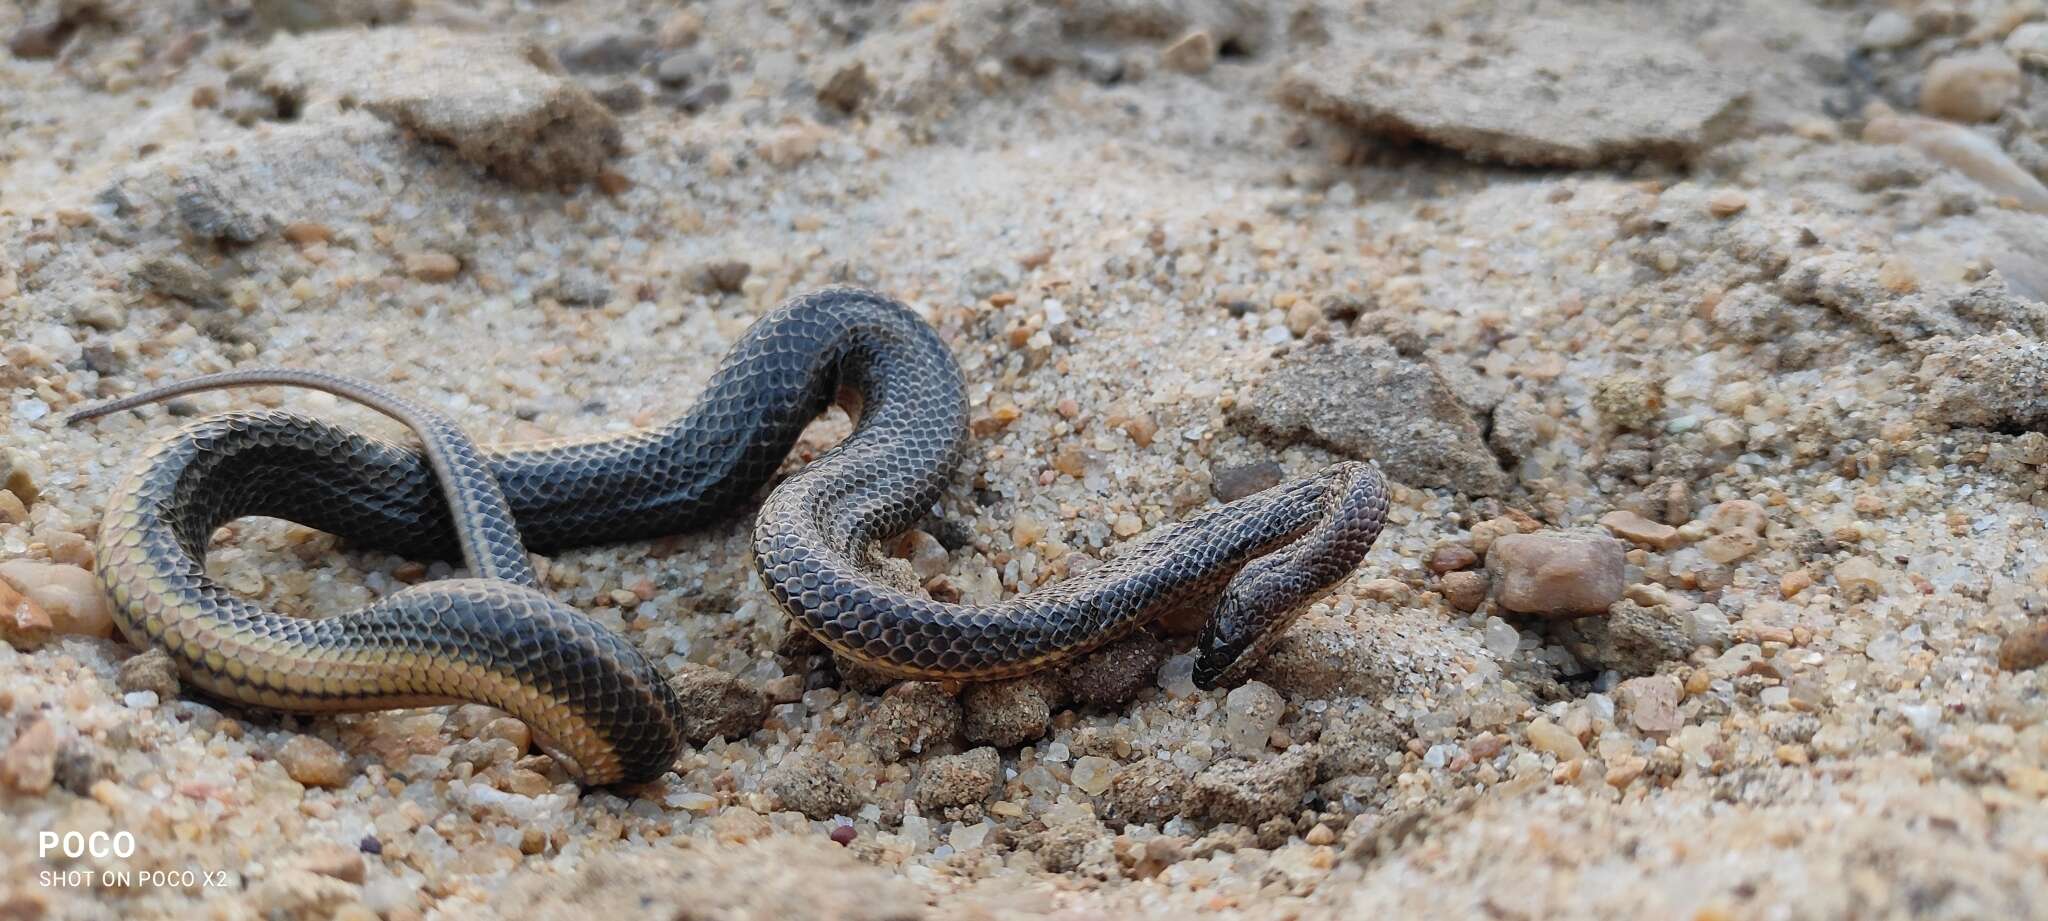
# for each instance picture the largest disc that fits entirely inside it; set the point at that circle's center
(1705, 342)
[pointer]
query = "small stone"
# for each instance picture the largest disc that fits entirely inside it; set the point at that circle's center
(18, 476)
(1250, 792)
(2025, 648)
(1486, 532)
(1251, 711)
(1889, 29)
(1358, 744)
(29, 765)
(24, 624)
(72, 598)
(1557, 574)
(1726, 203)
(581, 288)
(1068, 846)
(1641, 531)
(1093, 774)
(1117, 673)
(724, 276)
(1147, 791)
(1545, 736)
(913, 717)
(1970, 86)
(1859, 578)
(1386, 591)
(682, 68)
(1006, 714)
(1233, 482)
(717, 704)
(843, 835)
(335, 861)
(1651, 702)
(432, 266)
(2029, 44)
(313, 762)
(1465, 591)
(307, 233)
(1627, 401)
(607, 52)
(1452, 557)
(847, 88)
(149, 670)
(959, 780)
(1633, 639)
(812, 784)
(12, 510)
(1193, 53)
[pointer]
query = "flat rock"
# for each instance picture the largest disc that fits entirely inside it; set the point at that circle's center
(717, 704)
(1250, 792)
(1363, 399)
(1544, 92)
(500, 102)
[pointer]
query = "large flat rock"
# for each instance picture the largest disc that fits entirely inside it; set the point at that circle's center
(1543, 92)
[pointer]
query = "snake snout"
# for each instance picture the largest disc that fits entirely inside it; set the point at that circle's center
(1220, 650)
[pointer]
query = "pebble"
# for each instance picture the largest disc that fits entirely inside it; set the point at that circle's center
(959, 780)
(1859, 578)
(313, 762)
(1970, 86)
(1092, 774)
(24, 624)
(681, 68)
(913, 717)
(18, 476)
(812, 784)
(12, 510)
(335, 861)
(717, 704)
(606, 52)
(1628, 401)
(1147, 791)
(1465, 590)
(927, 557)
(1651, 702)
(2025, 648)
(2029, 44)
(1546, 736)
(848, 88)
(1006, 714)
(1452, 557)
(1232, 482)
(1641, 531)
(29, 765)
(1889, 29)
(150, 670)
(1193, 53)
(1251, 711)
(1250, 792)
(1557, 574)
(1115, 674)
(70, 596)
(1322, 657)
(432, 266)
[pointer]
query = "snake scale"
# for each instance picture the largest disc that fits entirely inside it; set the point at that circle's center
(598, 703)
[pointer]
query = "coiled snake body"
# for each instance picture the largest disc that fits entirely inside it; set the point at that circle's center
(599, 703)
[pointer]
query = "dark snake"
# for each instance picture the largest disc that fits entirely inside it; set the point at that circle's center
(599, 704)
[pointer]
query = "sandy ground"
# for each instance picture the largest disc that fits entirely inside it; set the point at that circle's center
(1733, 307)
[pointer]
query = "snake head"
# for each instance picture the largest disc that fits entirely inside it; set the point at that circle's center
(1232, 641)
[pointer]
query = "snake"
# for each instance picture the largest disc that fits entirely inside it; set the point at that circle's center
(1260, 560)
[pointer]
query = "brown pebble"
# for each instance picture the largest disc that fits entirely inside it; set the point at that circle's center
(24, 624)
(2025, 648)
(1726, 203)
(71, 596)
(12, 510)
(1193, 53)
(1465, 590)
(432, 266)
(149, 670)
(1451, 557)
(1557, 574)
(717, 704)
(30, 763)
(313, 762)
(1641, 531)
(306, 233)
